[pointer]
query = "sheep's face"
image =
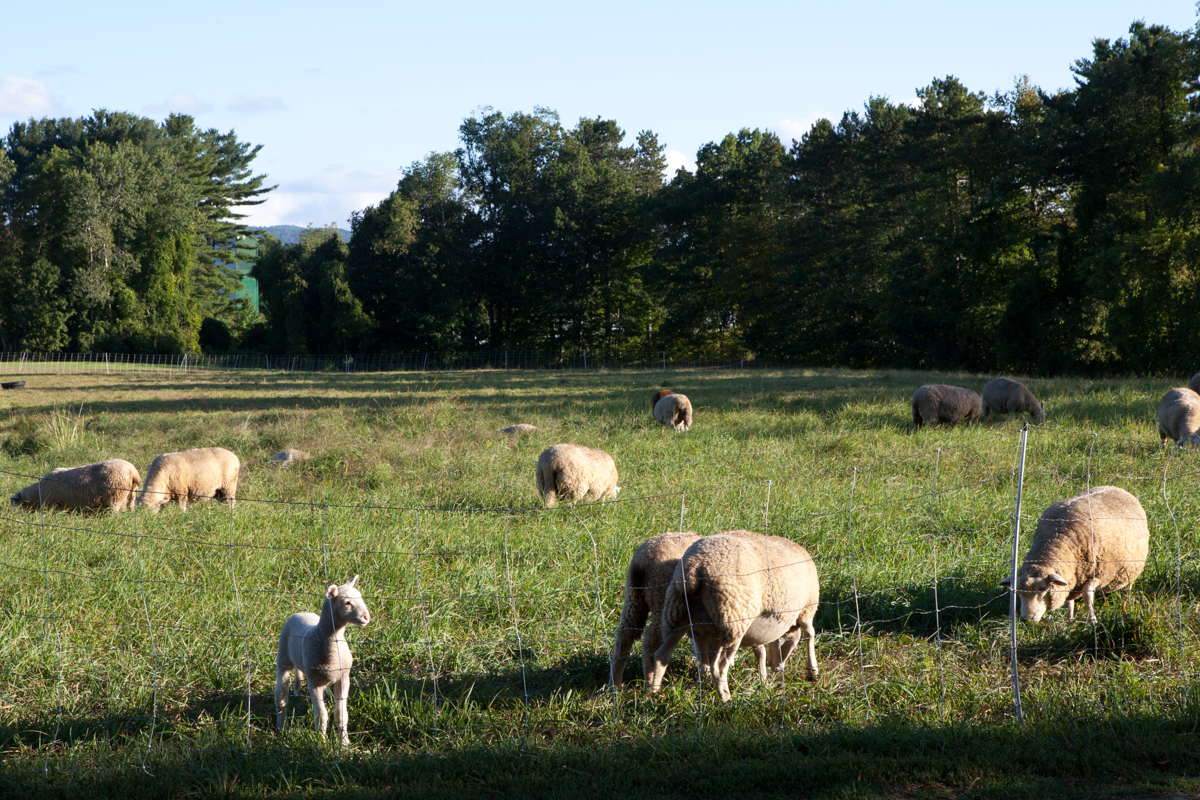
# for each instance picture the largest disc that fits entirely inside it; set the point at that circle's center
(1039, 412)
(348, 605)
(15, 500)
(25, 498)
(1038, 593)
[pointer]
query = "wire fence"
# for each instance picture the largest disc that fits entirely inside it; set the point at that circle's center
(21, 363)
(496, 625)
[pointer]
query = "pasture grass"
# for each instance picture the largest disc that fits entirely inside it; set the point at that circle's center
(137, 651)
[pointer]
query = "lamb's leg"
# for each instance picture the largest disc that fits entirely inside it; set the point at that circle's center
(651, 641)
(760, 655)
(1089, 598)
(721, 665)
(320, 712)
(283, 682)
(341, 715)
(1070, 611)
(811, 633)
(663, 655)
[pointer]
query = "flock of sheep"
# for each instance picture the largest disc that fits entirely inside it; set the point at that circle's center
(726, 591)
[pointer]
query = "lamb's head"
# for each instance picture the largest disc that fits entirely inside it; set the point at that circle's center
(347, 604)
(1039, 412)
(1039, 590)
(27, 497)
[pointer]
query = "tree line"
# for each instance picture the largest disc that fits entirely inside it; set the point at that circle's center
(1023, 230)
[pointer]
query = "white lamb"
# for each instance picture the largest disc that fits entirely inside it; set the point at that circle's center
(572, 473)
(740, 589)
(110, 484)
(194, 475)
(315, 648)
(674, 411)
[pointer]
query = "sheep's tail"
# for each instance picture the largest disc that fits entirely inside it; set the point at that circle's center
(916, 409)
(635, 611)
(547, 484)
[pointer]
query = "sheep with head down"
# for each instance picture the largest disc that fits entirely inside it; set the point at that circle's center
(944, 405)
(1179, 416)
(740, 589)
(573, 473)
(192, 475)
(110, 484)
(659, 395)
(1006, 396)
(1093, 543)
(674, 411)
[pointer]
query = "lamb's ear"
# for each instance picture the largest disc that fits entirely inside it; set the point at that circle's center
(351, 581)
(332, 591)
(1056, 580)
(1006, 582)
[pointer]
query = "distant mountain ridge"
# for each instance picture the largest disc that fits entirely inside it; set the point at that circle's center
(290, 234)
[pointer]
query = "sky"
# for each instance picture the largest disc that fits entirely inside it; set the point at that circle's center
(344, 97)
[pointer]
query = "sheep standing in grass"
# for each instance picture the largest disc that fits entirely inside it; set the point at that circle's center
(1093, 543)
(945, 405)
(315, 648)
(740, 589)
(110, 484)
(194, 475)
(1006, 396)
(572, 473)
(646, 582)
(674, 411)
(1179, 416)
(659, 395)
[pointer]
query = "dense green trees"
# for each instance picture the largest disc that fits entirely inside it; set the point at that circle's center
(1022, 231)
(114, 228)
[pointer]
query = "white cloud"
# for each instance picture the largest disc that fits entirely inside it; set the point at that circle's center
(25, 97)
(329, 196)
(789, 129)
(181, 102)
(677, 159)
(255, 105)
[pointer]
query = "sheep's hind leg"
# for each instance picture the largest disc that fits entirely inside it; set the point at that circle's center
(341, 715)
(662, 656)
(283, 682)
(721, 665)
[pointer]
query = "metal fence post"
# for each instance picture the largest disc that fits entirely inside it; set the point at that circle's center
(1012, 587)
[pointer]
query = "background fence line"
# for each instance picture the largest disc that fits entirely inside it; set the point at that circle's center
(26, 363)
(484, 631)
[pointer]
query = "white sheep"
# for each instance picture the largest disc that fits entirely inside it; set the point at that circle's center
(315, 648)
(674, 411)
(572, 473)
(1179, 416)
(740, 589)
(110, 484)
(1093, 543)
(285, 458)
(194, 475)
(1006, 396)
(520, 429)
(945, 405)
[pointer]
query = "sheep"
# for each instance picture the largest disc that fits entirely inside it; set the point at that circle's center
(675, 411)
(1094, 542)
(659, 395)
(1006, 396)
(646, 583)
(195, 475)
(573, 473)
(1179, 416)
(945, 405)
(520, 429)
(1194, 383)
(285, 458)
(740, 589)
(315, 648)
(110, 484)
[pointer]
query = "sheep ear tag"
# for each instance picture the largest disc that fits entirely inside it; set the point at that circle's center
(1056, 580)
(332, 591)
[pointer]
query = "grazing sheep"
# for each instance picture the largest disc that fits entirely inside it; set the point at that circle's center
(1194, 383)
(659, 395)
(520, 429)
(1006, 396)
(315, 647)
(285, 458)
(1179, 416)
(740, 589)
(945, 405)
(573, 473)
(674, 410)
(195, 475)
(110, 484)
(646, 583)
(1094, 542)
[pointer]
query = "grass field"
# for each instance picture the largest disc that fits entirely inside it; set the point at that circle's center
(137, 651)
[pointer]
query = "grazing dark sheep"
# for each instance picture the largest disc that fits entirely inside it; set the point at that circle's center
(1179, 416)
(945, 405)
(1006, 396)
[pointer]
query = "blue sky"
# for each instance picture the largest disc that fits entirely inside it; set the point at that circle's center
(344, 97)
